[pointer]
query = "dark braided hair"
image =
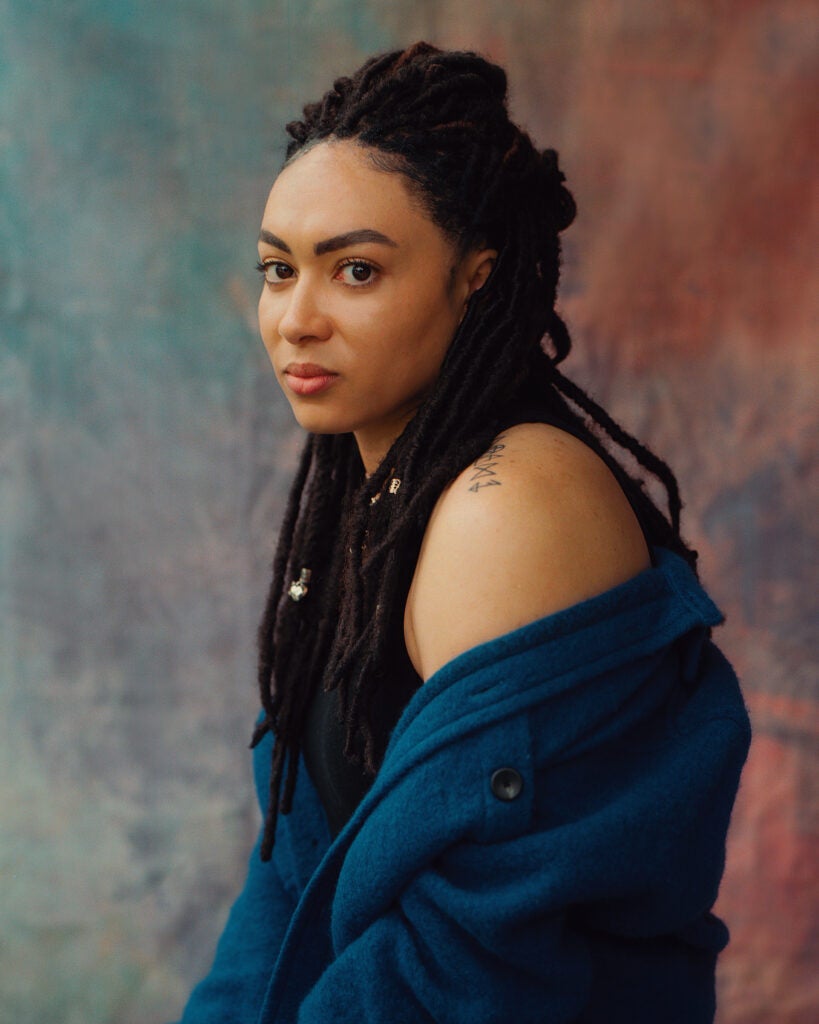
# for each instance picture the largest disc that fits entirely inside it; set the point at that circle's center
(440, 120)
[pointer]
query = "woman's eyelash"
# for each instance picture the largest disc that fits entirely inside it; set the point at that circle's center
(264, 267)
(355, 261)
(352, 261)
(282, 271)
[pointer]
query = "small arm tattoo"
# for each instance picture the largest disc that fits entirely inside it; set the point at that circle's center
(485, 468)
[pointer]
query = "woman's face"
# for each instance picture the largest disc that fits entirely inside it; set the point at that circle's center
(361, 295)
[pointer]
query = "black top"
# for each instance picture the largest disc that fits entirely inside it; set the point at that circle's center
(340, 784)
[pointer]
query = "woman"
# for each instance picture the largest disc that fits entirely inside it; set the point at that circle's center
(483, 639)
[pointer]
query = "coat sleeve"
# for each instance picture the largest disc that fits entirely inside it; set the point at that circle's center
(442, 955)
(612, 876)
(235, 986)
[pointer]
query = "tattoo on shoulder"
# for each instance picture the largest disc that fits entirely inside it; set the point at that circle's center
(485, 472)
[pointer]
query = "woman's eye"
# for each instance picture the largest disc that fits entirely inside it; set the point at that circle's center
(275, 272)
(356, 273)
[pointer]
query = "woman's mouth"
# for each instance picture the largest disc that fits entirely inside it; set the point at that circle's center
(308, 378)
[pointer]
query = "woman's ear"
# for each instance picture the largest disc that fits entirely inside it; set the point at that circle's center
(480, 264)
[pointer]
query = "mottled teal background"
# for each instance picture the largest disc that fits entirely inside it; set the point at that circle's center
(145, 452)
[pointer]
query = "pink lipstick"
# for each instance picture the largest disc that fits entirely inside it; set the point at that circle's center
(308, 378)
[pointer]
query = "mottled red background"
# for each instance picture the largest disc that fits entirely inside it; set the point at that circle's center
(690, 133)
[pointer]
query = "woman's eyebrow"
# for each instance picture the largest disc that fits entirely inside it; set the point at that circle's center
(352, 238)
(274, 240)
(334, 243)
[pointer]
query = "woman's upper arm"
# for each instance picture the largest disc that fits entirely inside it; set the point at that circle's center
(536, 525)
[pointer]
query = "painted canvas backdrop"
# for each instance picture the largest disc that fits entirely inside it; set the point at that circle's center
(145, 453)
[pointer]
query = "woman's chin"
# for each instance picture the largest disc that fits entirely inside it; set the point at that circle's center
(316, 422)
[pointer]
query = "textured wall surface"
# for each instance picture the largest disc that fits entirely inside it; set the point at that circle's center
(144, 451)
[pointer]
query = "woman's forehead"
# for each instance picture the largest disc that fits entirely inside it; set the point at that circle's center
(338, 169)
(335, 188)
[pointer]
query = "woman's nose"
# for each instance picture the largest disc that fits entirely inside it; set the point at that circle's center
(302, 318)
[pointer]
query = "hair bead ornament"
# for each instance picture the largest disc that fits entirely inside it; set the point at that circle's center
(393, 488)
(299, 588)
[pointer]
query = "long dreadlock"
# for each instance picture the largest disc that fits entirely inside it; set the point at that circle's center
(440, 120)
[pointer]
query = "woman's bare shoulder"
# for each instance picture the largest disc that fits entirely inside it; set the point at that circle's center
(535, 525)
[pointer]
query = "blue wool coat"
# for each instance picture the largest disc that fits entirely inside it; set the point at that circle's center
(543, 842)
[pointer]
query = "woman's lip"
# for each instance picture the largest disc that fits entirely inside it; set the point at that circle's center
(308, 370)
(308, 380)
